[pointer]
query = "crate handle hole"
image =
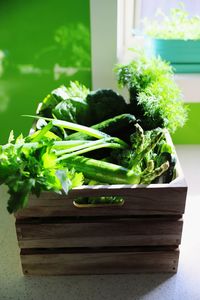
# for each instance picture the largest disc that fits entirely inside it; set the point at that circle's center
(104, 201)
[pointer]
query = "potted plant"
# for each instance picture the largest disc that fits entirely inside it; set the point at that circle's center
(176, 38)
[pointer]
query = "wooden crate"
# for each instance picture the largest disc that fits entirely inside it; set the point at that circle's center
(56, 237)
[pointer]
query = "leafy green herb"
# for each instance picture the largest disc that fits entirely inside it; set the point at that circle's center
(25, 170)
(155, 98)
(33, 165)
(178, 25)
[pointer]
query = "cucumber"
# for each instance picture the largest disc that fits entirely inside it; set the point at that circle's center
(114, 126)
(102, 171)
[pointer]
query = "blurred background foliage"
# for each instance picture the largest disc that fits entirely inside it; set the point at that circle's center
(43, 44)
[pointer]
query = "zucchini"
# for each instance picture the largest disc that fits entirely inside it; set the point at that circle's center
(102, 171)
(110, 126)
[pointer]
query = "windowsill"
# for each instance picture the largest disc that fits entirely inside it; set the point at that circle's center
(188, 83)
(190, 86)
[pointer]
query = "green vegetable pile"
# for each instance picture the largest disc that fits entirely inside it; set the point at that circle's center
(178, 25)
(94, 137)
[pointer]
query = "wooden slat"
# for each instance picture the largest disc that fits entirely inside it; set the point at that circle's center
(100, 233)
(100, 262)
(138, 201)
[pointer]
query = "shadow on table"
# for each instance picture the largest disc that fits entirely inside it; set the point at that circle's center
(134, 286)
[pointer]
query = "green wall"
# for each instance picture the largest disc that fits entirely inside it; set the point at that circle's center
(43, 44)
(190, 133)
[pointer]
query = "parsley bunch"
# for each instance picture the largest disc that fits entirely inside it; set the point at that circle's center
(32, 168)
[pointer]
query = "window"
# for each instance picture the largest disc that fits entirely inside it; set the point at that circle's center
(148, 8)
(132, 12)
(111, 38)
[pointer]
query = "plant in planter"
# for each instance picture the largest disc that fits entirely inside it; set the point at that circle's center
(176, 38)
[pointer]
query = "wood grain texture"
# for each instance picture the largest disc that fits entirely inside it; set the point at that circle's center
(100, 262)
(149, 200)
(153, 199)
(148, 231)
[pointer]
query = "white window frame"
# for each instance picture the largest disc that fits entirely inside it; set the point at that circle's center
(103, 20)
(111, 37)
(128, 19)
(188, 83)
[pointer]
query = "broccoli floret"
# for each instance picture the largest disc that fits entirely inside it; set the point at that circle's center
(105, 104)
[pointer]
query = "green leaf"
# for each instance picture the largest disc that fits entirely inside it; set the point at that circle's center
(166, 148)
(77, 179)
(11, 137)
(19, 196)
(49, 160)
(19, 139)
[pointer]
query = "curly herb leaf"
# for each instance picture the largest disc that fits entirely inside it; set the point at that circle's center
(155, 98)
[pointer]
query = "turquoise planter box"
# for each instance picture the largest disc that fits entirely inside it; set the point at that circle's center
(184, 55)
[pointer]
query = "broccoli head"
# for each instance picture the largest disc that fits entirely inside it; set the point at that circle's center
(105, 104)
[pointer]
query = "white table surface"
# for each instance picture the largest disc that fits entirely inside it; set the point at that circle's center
(185, 285)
